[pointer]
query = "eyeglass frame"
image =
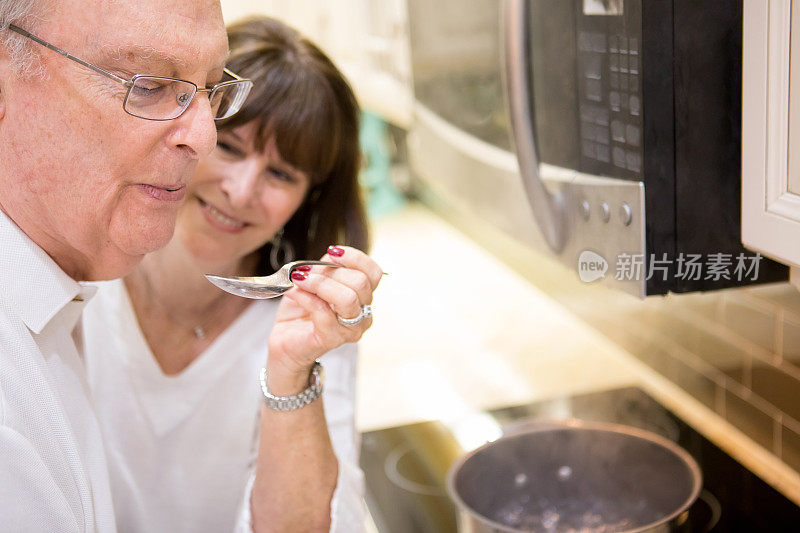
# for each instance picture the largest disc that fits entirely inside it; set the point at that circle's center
(130, 83)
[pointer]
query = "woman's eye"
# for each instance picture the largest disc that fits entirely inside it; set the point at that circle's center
(229, 149)
(281, 174)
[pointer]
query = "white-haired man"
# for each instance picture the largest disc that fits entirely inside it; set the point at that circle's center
(105, 108)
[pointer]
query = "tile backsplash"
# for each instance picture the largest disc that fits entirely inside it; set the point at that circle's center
(736, 350)
(758, 387)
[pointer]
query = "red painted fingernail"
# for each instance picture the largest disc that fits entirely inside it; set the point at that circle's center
(304, 268)
(335, 251)
(299, 276)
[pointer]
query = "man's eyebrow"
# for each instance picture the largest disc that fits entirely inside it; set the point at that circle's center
(132, 54)
(142, 57)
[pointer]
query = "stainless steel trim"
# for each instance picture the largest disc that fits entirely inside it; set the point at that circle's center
(482, 183)
(548, 208)
(626, 214)
(605, 212)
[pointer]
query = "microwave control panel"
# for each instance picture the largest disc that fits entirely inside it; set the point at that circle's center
(609, 70)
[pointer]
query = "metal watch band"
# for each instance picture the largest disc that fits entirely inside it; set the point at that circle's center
(290, 403)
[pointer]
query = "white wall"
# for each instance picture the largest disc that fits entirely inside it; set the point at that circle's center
(367, 40)
(311, 17)
(236, 9)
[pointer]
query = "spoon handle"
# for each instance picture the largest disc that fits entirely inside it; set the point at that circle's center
(294, 264)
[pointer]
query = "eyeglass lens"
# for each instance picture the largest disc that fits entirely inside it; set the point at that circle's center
(228, 99)
(157, 98)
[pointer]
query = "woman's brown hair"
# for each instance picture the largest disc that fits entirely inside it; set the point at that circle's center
(300, 99)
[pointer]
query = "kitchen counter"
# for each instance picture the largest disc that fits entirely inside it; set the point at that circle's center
(457, 331)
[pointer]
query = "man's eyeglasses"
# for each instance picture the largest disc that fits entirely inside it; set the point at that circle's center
(161, 98)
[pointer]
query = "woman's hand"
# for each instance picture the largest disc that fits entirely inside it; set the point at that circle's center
(306, 326)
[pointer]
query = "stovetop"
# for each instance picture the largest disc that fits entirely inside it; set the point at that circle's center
(406, 466)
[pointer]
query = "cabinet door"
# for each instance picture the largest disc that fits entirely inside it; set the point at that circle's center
(771, 129)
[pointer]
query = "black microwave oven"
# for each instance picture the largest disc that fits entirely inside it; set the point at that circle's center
(607, 131)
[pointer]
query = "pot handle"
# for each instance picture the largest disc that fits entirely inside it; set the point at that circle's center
(549, 209)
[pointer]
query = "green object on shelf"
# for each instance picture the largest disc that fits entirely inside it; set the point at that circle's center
(382, 195)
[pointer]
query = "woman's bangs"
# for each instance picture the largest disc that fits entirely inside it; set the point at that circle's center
(303, 120)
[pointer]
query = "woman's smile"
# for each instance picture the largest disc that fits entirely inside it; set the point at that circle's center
(221, 220)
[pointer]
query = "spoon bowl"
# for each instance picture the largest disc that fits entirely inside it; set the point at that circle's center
(263, 287)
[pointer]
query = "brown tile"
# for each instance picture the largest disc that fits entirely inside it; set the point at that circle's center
(750, 321)
(659, 360)
(696, 384)
(777, 387)
(726, 357)
(680, 373)
(752, 421)
(782, 294)
(791, 342)
(790, 447)
(637, 337)
(705, 304)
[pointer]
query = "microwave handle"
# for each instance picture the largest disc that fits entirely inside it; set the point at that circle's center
(549, 209)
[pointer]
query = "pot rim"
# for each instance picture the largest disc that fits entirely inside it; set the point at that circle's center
(574, 423)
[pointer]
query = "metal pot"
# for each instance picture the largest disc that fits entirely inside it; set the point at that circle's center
(574, 476)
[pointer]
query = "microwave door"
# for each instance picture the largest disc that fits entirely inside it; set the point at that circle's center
(625, 120)
(590, 221)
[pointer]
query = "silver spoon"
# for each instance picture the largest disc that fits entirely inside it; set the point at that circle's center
(263, 287)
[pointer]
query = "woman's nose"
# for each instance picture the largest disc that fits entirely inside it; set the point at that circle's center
(240, 185)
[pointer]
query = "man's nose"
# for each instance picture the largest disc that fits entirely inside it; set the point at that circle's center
(196, 132)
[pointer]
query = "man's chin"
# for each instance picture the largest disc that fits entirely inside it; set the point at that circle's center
(128, 248)
(140, 245)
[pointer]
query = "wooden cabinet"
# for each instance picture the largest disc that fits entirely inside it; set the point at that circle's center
(771, 130)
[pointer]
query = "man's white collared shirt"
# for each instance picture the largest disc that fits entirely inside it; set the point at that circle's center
(53, 471)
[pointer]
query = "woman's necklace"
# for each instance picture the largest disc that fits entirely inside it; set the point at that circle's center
(199, 332)
(199, 329)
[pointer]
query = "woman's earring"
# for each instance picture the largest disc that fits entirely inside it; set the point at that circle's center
(280, 247)
(314, 218)
(312, 226)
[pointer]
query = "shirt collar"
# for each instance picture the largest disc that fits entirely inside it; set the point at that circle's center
(36, 286)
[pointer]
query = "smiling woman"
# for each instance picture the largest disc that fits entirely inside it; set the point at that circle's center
(308, 110)
(281, 183)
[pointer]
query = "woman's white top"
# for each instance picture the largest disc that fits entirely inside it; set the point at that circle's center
(182, 448)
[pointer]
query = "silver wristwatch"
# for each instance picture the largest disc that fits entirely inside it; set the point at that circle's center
(290, 403)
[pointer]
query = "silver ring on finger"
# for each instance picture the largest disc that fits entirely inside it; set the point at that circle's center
(366, 312)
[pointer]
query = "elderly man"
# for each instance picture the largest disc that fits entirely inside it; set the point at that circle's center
(105, 107)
